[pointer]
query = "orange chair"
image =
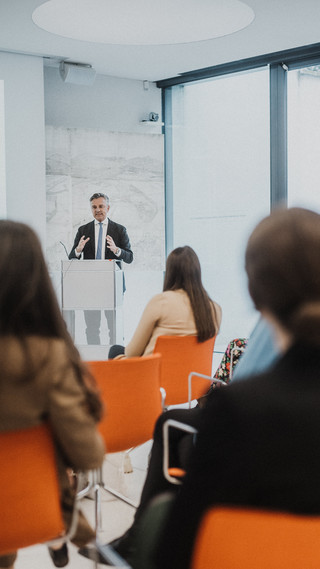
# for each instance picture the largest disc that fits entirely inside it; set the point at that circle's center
(30, 497)
(182, 355)
(130, 389)
(232, 538)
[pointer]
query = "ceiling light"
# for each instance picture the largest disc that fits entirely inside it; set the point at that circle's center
(143, 22)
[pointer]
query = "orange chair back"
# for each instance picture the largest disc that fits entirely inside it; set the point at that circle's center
(180, 356)
(30, 501)
(250, 539)
(130, 389)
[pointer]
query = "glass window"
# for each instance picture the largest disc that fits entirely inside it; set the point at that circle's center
(304, 137)
(219, 187)
(3, 208)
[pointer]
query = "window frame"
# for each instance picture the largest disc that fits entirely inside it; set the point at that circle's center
(279, 63)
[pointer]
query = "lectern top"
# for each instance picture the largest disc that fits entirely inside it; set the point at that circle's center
(76, 265)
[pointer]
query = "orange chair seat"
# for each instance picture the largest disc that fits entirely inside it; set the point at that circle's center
(180, 356)
(30, 497)
(231, 538)
(130, 390)
(176, 472)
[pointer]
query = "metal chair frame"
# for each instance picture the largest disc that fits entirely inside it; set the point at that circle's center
(167, 471)
(212, 380)
(181, 354)
(172, 474)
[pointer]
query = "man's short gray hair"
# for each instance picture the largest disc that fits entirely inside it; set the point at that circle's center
(99, 195)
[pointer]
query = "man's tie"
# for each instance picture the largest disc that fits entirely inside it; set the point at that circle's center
(99, 248)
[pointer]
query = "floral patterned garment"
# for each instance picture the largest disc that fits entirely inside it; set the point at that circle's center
(234, 350)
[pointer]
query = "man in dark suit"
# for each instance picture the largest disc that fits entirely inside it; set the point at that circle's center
(102, 238)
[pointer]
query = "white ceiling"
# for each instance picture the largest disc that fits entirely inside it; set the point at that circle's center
(274, 25)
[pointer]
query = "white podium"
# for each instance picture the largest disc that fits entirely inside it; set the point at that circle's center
(92, 295)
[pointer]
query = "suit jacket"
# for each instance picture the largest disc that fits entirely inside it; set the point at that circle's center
(258, 445)
(115, 230)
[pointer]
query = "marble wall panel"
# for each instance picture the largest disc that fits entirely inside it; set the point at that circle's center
(128, 167)
(59, 218)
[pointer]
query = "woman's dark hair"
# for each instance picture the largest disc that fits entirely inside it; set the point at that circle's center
(183, 271)
(28, 304)
(283, 267)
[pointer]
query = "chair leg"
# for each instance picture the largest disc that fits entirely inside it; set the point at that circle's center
(100, 553)
(126, 468)
(98, 486)
(85, 491)
(127, 465)
(97, 501)
(111, 556)
(120, 496)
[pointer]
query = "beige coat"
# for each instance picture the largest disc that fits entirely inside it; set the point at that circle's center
(53, 394)
(167, 313)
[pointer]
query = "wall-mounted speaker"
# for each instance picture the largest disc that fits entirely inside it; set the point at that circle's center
(77, 73)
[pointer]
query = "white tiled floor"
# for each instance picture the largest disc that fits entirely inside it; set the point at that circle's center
(116, 515)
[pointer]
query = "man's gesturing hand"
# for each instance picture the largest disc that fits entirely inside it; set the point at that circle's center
(81, 244)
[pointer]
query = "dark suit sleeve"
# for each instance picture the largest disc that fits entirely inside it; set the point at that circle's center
(72, 254)
(122, 241)
(88, 251)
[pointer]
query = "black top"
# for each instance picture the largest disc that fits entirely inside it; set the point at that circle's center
(258, 445)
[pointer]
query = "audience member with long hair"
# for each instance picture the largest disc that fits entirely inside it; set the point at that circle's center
(183, 307)
(258, 442)
(42, 376)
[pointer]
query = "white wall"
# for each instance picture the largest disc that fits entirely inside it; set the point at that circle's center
(24, 139)
(96, 142)
(31, 98)
(111, 104)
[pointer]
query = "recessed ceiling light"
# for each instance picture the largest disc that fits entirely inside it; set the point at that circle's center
(143, 22)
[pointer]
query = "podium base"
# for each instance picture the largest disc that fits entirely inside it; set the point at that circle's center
(93, 352)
